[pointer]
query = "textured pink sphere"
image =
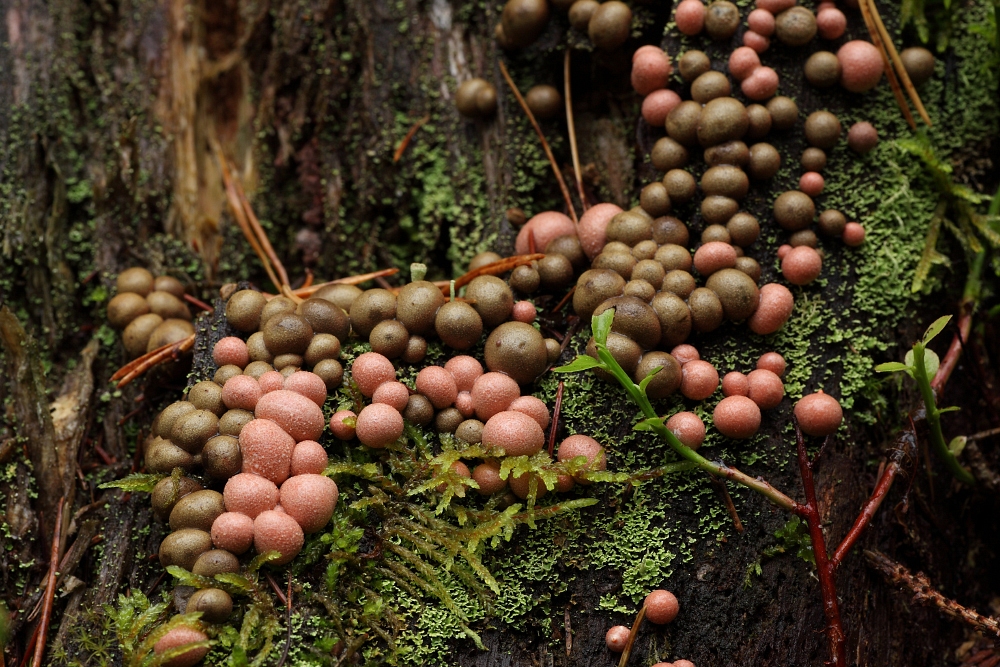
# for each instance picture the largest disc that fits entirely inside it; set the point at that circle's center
(773, 309)
(307, 384)
(271, 381)
(339, 428)
(297, 415)
(277, 531)
(831, 23)
(699, 380)
(783, 250)
(772, 361)
(735, 383)
(650, 71)
(515, 432)
(370, 370)
(309, 457)
(775, 6)
(544, 227)
(714, 256)
(378, 425)
(688, 427)
(658, 104)
(661, 607)
(736, 417)
(493, 393)
(761, 85)
(310, 500)
(766, 389)
(231, 350)
(801, 265)
(233, 531)
(465, 370)
(524, 311)
(743, 61)
(594, 223)
(812, 183)
(267, 449)
(392, 393)
(756, 41)
(617, 638)
(761, 22)
(249, 494)
(533, 407)
(854, 234)
(690, 17)
(861, 66)
(438, 385)
(178, 637)
(242, 392)
(684, 353)
(819, 414)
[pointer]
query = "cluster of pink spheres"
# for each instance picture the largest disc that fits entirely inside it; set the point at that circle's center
(496, 414)
(280, 493)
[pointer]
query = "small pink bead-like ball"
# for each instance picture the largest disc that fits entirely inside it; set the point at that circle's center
(249, 494)
(178, 637)
(617, 638)
(736, 417)
(765, 389)
(493, 393)
(861, 66)
(661, 607)
(684, 353)
(534, 408)
(762, 84)
(699, 380)
(812, 183)
(690, 17)
(544, 227)
(658, 105)
(297, 415)
(370, 370)
(773, 309)
(231, 350)
(514, 432)
(241, 392)
(270, 381)
(761, 22)
(688, 427)
(582, 445)
(594, 222)
(309, 385)
(378, 425)
(735, 383)
(309, 457)
(756, 41)
(819, 414)
(339, 428)
(465, 370)
(524, 311)
(714, 256)
(743, 61)
(854, 234)
(831, 23)
(683, 663)
(772, 361)
(392, 393)
(648, 48)
(487, 476)
(277, 531)
(438, 385)
(464, 404)
(650, 71)
(801, 265)
(267, 449)
(233, 531)
(783, 250)
(310, 500)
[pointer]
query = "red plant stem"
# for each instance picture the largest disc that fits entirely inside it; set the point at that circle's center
(824, 569)
(950, 359)
(555, 418)
(50, 588)
(906, 446)
(408, 138)
(198, 303)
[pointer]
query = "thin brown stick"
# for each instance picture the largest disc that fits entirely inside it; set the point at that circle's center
(277, 589)
(571, 128)
(541, 137)
(198, 303)
(633, 633)
(564, 300)
(720, 486)
(824, 569)
(493, 269)
(408, 138)
(905, 450)
(306, 292)
(898, 64)
(29, 648)
(887, 65)
(555, 418)
(925, 594)
(568, 630)
(137, 367)
(50, 588)
(236, 208)
(950, 359)
(261, 235)
(288, 623)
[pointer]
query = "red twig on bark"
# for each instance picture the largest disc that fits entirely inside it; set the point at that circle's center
(198, 303)
(50, 589)
(555, 418)
(824, 568)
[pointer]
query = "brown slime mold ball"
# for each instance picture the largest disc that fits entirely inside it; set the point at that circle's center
(819, 414)
(610, 25)
(736, 417)
(661, 607)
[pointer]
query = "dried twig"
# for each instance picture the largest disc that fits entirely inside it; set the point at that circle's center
(897, 63)
(571, 128)
(494, 269)
(198, 303)
(541, 137)
(633, 633)
(239, 214)
(306, 292)
(720, 486)
(866, 13)
(137, 367)
(925, 594)
(408, 138)
(50, 589)
(555, 418)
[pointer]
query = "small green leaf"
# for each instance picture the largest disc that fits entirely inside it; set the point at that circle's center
(136, 482)
(934, 329)
(952, 408)
(931, 361)
(957, 444)
(261, 559)
(648, 424)
(581, 363)
(601, 325)
(892, 367)
(649, 378)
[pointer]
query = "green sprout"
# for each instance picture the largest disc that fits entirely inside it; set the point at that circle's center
(601, 325)
(921, 364)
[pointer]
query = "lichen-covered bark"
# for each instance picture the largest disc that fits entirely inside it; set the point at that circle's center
(113, 117)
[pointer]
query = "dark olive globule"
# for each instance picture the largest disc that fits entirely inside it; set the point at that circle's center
(135, 279)
(822, 129)
(682, 123)
(341, 295)
(669, 154)
(693, 64)
(722, 18)
(822, 69)
(417, 304)
(709, 86)
(593, 288)
(624, 350)
(667, 379)
(197, 510)
(813, 159)
(784, 112)
(794, 210)
(370, 308)
(523, 21)
(168, 491)
(516, 349)
(610, 25)
(287, 333)
(633, 318)
(183, 547)
(492, 299)
(706, 310)
(674, 316)
(125, 307)
(214, 604)
(389, 338)
(737, 293)
(458, 325)
(544, 101)
(795, 26)
(221, 456)
(723, 119)
(325, 317)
